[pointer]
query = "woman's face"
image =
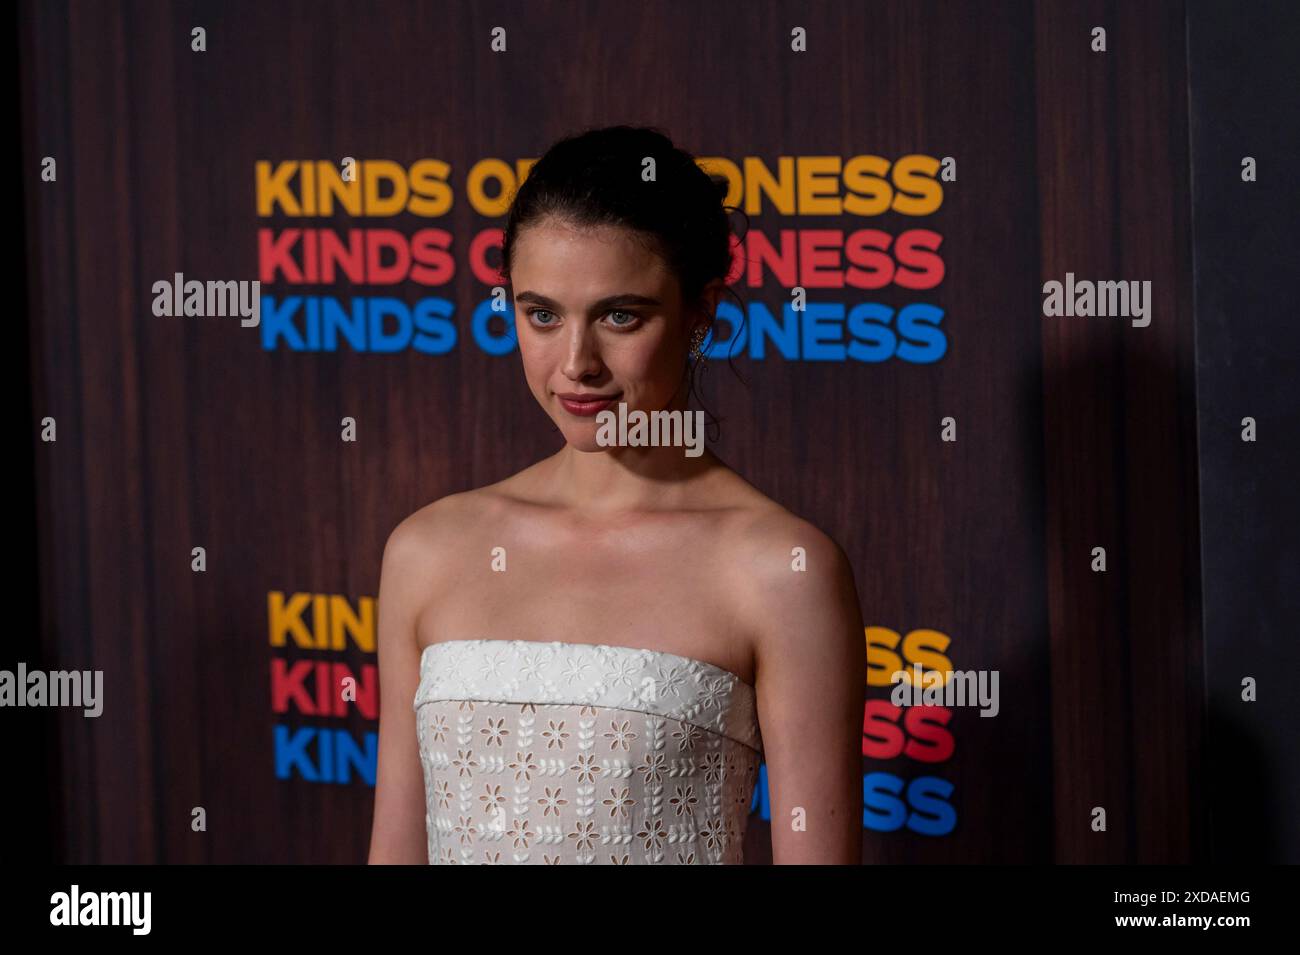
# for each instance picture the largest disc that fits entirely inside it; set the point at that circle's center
(598, 316)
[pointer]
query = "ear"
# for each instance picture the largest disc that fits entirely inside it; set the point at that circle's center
(710, 297)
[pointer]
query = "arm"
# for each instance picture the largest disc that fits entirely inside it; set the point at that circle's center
(811, 681)
(398, 833)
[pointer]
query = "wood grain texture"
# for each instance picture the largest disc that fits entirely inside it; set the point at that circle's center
(1119, 444)
(177, 433)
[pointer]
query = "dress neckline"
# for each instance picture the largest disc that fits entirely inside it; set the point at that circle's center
(598, 646)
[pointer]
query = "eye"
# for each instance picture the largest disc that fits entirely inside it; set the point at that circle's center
(534, 312)
(631, 319)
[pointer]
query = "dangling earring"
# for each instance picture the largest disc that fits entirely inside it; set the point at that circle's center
(697, 340)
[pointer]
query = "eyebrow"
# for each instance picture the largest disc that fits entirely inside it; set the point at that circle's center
(608, 302)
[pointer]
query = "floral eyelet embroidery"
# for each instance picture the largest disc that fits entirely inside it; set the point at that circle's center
(550, 754)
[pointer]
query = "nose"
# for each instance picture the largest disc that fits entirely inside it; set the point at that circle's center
(583, 357)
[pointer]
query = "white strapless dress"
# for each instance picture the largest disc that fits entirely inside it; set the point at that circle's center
(573, 753)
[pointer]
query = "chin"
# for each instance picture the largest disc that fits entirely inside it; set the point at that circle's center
(582, 438)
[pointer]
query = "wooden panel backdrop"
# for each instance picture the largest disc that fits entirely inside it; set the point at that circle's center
(172, 433)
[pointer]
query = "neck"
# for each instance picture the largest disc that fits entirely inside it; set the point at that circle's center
(627, 479)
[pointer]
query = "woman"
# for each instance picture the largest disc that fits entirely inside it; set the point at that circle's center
(602, 648)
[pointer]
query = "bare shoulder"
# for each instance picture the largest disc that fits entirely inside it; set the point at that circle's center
(423, 532)
(793, 579)
(770, 545)
(433, 537)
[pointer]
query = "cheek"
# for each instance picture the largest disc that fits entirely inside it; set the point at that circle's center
(533, 356)
(536, 375)
(648, 360)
